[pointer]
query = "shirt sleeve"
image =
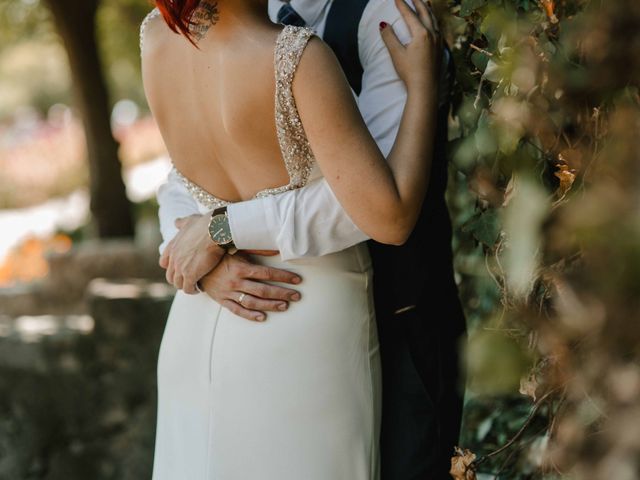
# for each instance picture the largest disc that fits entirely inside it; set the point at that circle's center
(305, 222)
(384, 94)
(174, 201)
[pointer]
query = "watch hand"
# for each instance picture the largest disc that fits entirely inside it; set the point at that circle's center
(218, 232)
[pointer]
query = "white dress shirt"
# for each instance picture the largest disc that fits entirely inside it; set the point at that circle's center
(310, 221)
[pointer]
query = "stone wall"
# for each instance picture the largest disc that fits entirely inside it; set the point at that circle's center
(78, 389)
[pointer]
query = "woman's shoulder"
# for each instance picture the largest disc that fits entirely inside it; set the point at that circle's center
(318, 69)
(316, 51)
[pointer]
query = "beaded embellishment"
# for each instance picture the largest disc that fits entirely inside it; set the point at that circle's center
(296, 152)
(203, 197)
(294, 144)
(151, 15)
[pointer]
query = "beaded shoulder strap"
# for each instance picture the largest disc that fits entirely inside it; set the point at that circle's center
(294, 145)
(151, 15)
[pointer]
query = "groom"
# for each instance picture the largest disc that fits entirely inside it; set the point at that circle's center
(419, 315)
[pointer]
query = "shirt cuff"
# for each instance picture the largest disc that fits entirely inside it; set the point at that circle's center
(251, 225)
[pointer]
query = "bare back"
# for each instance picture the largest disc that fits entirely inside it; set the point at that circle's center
(215, 107)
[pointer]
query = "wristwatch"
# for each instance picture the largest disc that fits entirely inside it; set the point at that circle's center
(220, 231)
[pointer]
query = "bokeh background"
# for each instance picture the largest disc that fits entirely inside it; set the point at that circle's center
(544, 193)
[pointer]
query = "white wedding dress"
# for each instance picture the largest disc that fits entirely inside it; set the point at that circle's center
(296, 397)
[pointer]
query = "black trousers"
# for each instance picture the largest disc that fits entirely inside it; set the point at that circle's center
(421, 392)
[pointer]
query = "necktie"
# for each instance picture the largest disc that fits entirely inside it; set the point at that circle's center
(288, 16)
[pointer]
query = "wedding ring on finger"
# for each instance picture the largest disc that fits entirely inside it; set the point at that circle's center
(241, 297)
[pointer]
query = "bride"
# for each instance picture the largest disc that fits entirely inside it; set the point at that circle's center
(247, 108)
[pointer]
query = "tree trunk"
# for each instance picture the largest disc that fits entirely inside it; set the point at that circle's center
(75, 22)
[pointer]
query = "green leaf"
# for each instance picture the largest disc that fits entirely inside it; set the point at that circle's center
(480, 60)
(484, 227)
(467, 7)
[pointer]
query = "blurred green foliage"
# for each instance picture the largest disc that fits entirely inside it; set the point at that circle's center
(544, 194)
(30, 50)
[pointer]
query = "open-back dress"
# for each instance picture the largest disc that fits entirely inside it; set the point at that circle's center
(296, 397)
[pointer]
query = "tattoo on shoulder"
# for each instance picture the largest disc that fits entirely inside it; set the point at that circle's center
(204, 17)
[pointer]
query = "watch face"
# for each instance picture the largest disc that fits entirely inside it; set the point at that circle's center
(219, 230)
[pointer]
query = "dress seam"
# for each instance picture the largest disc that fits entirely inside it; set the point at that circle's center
(210, 428)
(372, 418)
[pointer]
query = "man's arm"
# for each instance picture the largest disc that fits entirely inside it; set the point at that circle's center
(303, 222)
(174, 201)
(383, 94)
(306, 222)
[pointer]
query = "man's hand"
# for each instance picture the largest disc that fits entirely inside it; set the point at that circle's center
(191, 254)
(239, 286)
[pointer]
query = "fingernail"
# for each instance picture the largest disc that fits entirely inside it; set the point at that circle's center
(383, 25)
(295, 297)
(296, 280)
(282, 306)
(260, 318)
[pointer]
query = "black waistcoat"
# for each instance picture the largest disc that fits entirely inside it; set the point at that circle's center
(420, 272)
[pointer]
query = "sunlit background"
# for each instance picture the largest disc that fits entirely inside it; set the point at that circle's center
(544, 194)
(43, 155)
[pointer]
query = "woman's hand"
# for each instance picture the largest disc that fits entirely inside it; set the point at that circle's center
(418, 62)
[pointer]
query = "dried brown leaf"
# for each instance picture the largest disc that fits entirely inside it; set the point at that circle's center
(572, 157)
(549, 8)
(509, 191)
(529, 386)
(566, 177)
(482, 184)
(462, 467)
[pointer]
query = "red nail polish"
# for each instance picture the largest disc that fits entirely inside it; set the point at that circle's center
(383, 25)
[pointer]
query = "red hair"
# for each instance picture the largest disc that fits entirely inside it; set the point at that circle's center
(177, 14)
